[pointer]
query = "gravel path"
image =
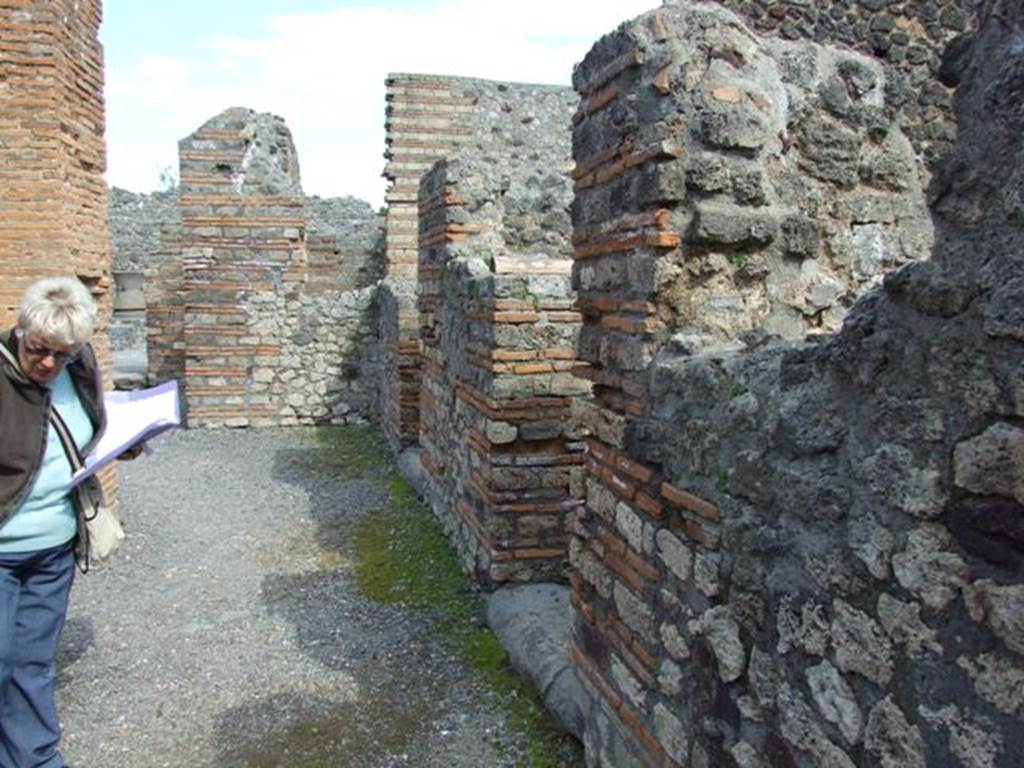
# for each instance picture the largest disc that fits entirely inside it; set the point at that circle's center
(229, 631)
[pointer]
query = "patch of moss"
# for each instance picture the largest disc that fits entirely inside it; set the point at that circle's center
(350, 452)
(372, 728)
(402, 556)
(329, 560)
(739, 260)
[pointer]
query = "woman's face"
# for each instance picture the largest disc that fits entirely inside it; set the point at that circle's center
(41, 358)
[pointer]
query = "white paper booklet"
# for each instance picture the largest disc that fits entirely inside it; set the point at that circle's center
(132, 417)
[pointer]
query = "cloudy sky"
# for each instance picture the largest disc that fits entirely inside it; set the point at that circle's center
(321, 65)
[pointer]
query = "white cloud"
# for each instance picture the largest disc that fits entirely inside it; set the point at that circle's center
(324, 73)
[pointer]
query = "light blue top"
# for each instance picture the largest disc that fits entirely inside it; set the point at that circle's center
(46, 518)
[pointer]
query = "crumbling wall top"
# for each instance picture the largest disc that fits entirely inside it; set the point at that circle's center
(241, 151)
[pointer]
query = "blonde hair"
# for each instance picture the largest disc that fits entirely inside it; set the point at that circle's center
(60, 309)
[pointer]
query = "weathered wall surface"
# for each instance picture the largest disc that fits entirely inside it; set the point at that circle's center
(52, 151)
(145, 236)
(430, 118)
(344, 244)
(498, 333)
(771, 165)
(908, 38)
(242, 225)
(264, 302)
(140, 224)
(398, 400)
(797, 553)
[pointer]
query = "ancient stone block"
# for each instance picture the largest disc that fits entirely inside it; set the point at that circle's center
(676, 555)
(1001, 607)
(671, 733)
(998, 680)
(674, 642)
(927, 570)
(993, 462)
(836, 700)
(896, 742)
(860, 645)
(798, 727)
(723, 635)
(902, 622)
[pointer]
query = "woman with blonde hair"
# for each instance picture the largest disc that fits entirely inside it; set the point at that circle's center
(46, 367)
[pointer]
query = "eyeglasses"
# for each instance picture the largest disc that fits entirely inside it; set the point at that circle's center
(40, 351)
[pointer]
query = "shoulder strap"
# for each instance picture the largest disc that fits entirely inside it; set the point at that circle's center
(66, 440)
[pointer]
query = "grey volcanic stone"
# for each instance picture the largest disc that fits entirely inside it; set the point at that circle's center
(532, 623)
(411, 470)
(896, 742)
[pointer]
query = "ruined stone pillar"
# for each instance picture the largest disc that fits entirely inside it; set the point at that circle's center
(732, 192)
(423, 125)
(243, 258)
(499, 338)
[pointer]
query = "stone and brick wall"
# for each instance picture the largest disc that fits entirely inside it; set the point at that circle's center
(242, 245)
(145, 234)
(398, 402)
(430, 118)
(796, 552)
(52, 153)
(909, 39)
(498, 331)
(344, 245)
(262, 300)
(139, 226)
(423, 125)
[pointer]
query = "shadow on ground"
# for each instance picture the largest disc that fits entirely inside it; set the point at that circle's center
(282, 730)
(384, 650)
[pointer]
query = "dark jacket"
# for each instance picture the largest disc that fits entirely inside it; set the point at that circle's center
(24, 421)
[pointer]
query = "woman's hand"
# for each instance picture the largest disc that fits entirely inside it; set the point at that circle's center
(132, 453)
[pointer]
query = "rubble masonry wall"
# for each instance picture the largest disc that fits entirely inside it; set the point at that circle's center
(264, 306)
(807, 551)
(909, 39)
(498, 334)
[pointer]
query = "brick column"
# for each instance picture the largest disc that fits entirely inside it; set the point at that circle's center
(52, 152)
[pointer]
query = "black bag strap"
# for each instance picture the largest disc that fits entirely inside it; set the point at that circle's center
(74, 457)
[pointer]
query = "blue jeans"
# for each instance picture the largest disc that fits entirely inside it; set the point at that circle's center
(34, 589)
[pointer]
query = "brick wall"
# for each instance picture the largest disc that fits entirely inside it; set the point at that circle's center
(423, 125)
(261, 300)
(499, 340)
(52, 155)
(429, 118)
(242, 243)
